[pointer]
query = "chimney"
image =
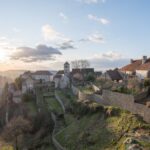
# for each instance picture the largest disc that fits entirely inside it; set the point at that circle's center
(144, 59)
(131, 61)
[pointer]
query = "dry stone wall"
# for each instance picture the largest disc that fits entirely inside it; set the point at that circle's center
(110, 98)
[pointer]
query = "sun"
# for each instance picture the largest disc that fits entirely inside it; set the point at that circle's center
(2, 55)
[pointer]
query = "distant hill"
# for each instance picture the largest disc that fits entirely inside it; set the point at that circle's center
(12, 74)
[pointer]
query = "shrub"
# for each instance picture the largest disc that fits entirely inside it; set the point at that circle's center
(27, 97)
(146, 82)
(90, 77)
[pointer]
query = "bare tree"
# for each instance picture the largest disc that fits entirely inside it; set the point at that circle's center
(75, 64)
(16, 127)
(84, 64)
(80, 64)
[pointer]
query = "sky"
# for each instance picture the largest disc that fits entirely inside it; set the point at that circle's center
(43, 34)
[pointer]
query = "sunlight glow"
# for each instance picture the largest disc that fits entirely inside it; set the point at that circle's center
(2, 55)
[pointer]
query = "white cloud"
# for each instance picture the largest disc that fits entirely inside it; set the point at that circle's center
(63, 16)
(95, 38)
(99, 20)
(51, 35)
(108, 60)
(111, 55)
(39, 53)
(92, 1)
(16, 30)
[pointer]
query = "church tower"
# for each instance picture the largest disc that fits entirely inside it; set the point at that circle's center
(66, 68)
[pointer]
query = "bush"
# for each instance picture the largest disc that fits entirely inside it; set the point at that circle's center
(27, 97)
(90, 77)
(146, 82)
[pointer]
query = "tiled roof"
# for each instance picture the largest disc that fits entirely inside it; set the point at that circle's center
(42, 72)
(145, 66)
(114, 74)
(58, 76)
(83, 70)
(60, 72)
(137, 65)
(66, 63)
(133, 66)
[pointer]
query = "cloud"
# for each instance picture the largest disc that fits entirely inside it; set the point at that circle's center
(50, 34)
(103, 21)
(7, 46)
(108, 60)
(63, 16)
(66, 45)
(40, 53)
(57, 38)
(95, 38)
(92, 1)
(16, 30)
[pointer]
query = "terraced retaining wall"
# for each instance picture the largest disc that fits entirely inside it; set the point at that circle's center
(123, 101)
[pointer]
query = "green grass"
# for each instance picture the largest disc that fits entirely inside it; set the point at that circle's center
(53, 105)
(87, 90)
(67, 97)
(98, 131)
(7, 148)
(31, 106)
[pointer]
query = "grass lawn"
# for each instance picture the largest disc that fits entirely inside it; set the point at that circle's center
(53, 105)
(67, 97)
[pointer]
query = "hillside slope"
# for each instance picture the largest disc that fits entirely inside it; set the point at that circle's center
(90, 126)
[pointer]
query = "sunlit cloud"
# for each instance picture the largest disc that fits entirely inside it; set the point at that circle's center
(7, 46)
(50, 34)
(39, 53)
(56, 38)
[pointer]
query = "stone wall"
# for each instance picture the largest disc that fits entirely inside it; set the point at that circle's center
(75, 90)
(95, 88)
(118, 99)
(141, 96)
(110, 98)
(127, 102)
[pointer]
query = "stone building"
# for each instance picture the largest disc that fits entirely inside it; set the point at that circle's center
(140, 68)
(62, 77)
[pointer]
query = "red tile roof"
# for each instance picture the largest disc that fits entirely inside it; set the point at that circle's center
(145, 66)
(137, 65)
(133, 66)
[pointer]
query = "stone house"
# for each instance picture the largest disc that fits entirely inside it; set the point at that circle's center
(17, 95)
(57, 79)
(28, 84)
(140, 68)
(44, 76)
(11, 88)
(62, 77)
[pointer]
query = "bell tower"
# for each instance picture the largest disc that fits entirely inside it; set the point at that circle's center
(66, 68)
